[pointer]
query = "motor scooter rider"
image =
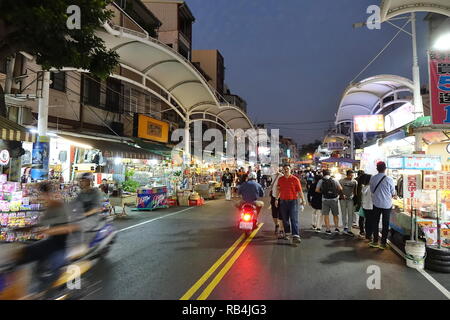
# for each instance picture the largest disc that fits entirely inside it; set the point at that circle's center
(50, 252)
(250, 191)
(89, 202)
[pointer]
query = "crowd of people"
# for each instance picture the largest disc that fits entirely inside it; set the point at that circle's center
(361, 201)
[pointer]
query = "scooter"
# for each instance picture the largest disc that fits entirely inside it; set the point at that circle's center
(248, 218)
(79, 261)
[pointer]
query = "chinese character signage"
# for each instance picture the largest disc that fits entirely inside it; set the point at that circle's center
(151, 129)
(423, 163)
(368, 123)
(440, 87)
(335, 146)
(436, 180)
(412, 185)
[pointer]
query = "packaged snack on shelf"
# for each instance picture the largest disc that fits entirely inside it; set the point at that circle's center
(430, 235)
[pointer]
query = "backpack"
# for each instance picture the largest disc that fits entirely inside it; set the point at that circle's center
(329, 189)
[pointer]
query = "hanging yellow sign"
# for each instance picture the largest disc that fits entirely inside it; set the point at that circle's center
(153, 129)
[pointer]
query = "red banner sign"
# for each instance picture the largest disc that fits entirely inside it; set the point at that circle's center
(440, 87)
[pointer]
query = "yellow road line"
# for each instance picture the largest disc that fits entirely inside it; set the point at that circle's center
(205, 294)
(211, 270)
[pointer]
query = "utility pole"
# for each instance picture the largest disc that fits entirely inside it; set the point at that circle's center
(418, 103)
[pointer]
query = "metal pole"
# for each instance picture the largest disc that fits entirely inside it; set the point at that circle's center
(43, 106)
(352, 145)
(418, 104)
(187, 143)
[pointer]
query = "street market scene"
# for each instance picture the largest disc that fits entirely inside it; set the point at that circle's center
(224, 150)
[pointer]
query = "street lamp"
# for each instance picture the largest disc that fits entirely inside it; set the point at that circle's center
(442, 43)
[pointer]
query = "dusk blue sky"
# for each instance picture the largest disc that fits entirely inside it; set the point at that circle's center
(292, 59)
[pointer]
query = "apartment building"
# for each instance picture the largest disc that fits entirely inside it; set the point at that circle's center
(212, 62)
(176, 28)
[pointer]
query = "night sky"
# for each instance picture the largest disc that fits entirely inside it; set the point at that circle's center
(292, 59)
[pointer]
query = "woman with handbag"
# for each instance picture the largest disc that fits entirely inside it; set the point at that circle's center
(366, 210)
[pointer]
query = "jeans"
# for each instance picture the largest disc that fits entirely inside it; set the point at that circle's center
(385, 214)
(227, 193)
(348, 211)
(369, 223)
(289, 212)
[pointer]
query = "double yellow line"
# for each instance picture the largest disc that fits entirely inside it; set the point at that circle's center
(207, 291)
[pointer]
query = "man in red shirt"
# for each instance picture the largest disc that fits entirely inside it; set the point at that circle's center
(289, 192)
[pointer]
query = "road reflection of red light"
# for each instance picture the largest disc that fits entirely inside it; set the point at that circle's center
(248, 279)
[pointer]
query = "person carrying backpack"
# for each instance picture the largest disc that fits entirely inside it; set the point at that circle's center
(331, 190)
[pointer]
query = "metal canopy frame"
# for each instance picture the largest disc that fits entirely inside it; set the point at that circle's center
(184, 86)
(368, 95)
(393, 8)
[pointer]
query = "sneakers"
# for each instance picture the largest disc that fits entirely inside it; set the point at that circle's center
(318, 230)
(373, 244)
(296, 239)
(281, 235)
(337, 230)
(351, 234)
(328, 232)
(314, 227)
(383, 246)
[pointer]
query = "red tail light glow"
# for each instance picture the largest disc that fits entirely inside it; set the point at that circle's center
(247, 217)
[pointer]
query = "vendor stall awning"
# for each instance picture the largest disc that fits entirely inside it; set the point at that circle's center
(153, 147)
(13, 131)
(109, 148)
(340, 160)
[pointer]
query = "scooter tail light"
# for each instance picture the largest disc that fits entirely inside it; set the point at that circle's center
(247, 217)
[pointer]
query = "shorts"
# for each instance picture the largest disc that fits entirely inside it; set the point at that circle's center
(330, 204)
(275, 210)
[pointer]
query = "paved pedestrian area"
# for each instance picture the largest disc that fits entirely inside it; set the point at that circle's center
(198, 253)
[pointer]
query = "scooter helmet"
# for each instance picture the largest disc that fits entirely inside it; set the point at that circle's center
(86, 176)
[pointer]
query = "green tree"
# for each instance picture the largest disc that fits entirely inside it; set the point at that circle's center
(39, 27)
(309, 148)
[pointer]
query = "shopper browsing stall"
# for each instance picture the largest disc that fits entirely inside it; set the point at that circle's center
(349, 186)
(365, 222)
(383, 190)
(330, 190)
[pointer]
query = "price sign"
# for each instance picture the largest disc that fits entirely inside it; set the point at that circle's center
(411, 185)
(4, 157)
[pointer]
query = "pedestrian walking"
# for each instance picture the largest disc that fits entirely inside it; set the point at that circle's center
(383, 190)
(227, 180)
(349, 186)
(309, 179)
(290, 190)
(330, 189)
(277, 220)
(365, 222)
(315, 201)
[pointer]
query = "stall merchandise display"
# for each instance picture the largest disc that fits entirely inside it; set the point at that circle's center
(152, 198)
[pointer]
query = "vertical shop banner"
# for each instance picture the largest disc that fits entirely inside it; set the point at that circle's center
(439, 68)
(412, 186)
(40, 159)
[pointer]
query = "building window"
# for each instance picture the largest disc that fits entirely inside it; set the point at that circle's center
(114, 95)
(3, 66)
(92, 91)
(58, 81)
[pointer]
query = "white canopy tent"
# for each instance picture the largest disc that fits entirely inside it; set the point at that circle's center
(393, 8)
(366, 97)
(160, 70)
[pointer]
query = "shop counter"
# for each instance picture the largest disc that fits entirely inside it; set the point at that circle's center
(152, 198)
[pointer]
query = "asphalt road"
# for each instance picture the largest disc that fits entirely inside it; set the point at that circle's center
(198, 253)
